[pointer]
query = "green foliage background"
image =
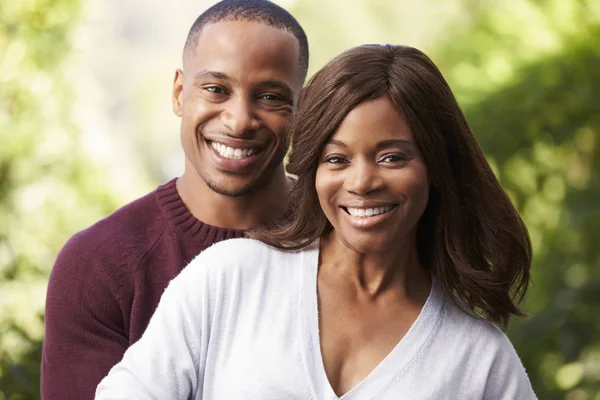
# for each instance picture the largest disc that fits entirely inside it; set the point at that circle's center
(529, 77)
(48, 188)
(527, 73)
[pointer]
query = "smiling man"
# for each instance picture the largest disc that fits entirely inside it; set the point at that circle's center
(244, 65)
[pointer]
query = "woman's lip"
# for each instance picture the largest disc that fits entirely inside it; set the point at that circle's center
(364, 206)
(368, 222)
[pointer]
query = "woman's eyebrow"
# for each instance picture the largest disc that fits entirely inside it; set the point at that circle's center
(393, 142)
(335, 143)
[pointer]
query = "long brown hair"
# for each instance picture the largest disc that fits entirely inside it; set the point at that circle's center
(470, 237)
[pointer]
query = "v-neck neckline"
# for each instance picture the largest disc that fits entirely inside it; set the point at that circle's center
(383, 375)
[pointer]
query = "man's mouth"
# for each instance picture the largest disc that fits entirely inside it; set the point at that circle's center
(233, 153)
(369, 212)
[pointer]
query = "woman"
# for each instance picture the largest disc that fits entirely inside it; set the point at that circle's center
(402, 253)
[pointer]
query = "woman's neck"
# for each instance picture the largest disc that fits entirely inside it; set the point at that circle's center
(397, 271)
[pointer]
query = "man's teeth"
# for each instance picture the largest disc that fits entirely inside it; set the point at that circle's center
(232, 153)
(368, 212)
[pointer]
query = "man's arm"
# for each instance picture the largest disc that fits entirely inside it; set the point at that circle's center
(84, 333)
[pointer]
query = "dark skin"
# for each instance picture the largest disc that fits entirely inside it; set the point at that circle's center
(238, 88)
(371, 286)
(363, 313)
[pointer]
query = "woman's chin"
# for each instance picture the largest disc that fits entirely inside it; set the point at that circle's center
(369, 245)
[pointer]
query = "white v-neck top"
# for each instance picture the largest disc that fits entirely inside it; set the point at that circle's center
(241, 322)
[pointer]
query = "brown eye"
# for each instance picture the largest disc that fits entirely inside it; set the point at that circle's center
(393, 158)
(336, 160)
(273, 100)
(215, 89)
(272, 97)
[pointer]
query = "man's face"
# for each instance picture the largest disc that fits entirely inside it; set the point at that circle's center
(235, 95)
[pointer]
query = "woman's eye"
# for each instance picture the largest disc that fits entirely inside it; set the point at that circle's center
(391, 158)
(335, 160)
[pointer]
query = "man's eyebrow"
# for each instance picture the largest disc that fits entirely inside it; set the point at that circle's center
(275, 84)
(204, 74)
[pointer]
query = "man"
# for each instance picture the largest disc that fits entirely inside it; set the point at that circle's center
(244, 64)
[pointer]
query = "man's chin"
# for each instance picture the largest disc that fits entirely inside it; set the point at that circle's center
(231, 185)
(233, 190)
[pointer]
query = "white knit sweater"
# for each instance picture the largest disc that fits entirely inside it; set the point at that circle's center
(240, 322)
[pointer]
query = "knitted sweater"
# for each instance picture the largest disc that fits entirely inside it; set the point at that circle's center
(106, 284)
(241, 322)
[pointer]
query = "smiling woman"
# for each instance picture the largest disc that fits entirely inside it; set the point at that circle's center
(393, 103)
(372, 180)
(409, 252)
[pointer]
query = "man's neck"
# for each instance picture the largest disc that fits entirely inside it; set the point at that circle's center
(261, 206)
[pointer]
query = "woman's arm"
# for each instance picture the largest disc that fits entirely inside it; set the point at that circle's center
(165, 363)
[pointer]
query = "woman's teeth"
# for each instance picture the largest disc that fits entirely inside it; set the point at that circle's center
(368, 212)
(232, 153)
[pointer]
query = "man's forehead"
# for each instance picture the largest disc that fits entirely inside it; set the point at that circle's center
(223, 32)
(241, 48)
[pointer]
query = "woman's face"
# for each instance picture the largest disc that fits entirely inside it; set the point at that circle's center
(372, 180)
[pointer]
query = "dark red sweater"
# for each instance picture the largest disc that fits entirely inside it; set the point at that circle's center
(107, 282)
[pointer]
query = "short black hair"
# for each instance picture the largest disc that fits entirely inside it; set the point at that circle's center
(263, 11)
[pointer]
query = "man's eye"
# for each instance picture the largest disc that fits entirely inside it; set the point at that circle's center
(272, 97)
(215, 89)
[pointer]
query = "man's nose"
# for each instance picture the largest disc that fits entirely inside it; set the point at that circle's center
(240, 117)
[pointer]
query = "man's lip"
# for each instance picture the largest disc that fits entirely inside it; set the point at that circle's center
(237, 143)
(233, 164)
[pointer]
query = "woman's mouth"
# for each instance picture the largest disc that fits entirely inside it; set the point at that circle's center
(369, 212)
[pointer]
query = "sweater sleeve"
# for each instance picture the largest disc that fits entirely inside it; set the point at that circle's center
(507, 379)
(165, 362)
(84, 334)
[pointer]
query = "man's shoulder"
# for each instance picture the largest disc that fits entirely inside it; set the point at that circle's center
(131, 228)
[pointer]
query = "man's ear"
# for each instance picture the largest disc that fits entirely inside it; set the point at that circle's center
(178, 93)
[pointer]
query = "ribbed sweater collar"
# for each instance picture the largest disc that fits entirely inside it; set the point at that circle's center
(183, 222)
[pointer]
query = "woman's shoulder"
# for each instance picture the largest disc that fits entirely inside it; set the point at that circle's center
(243, 256)
(472, 346)
(236, 248)
(472, 329)
(231, 252)
(245, 249)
